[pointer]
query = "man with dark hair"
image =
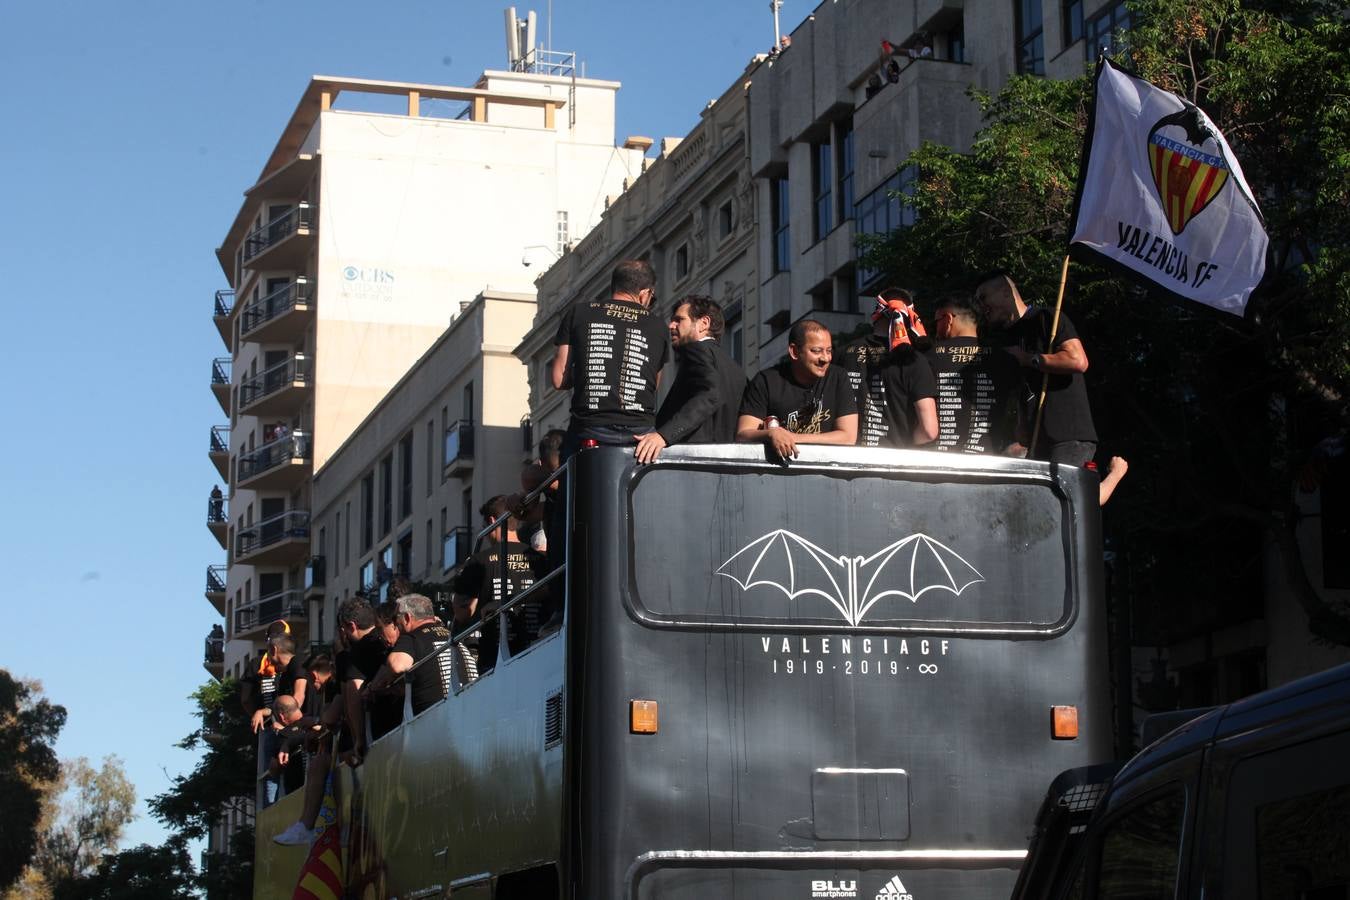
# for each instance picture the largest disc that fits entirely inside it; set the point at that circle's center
(481, 588)
(976, 382)
(422, 635)
(1067, 433)
(550, 449)
(610, 352)
(894, 383)
(803, 400)
(704, 401)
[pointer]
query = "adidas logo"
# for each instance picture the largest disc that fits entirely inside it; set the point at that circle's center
(894, 890)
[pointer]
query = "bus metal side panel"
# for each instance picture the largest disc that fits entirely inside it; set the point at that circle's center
(831, 752)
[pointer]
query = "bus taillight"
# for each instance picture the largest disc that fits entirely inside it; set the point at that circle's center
(1064, 722)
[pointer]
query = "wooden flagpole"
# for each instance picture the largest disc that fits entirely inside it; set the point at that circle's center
(1050, 348)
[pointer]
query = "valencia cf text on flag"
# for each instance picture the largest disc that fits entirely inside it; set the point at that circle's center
(1162, 197)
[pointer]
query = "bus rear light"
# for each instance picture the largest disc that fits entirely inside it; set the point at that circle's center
(1064, 722)
(642, 716)
(589, 444)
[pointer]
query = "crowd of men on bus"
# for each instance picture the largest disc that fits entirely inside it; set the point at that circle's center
(972, 387)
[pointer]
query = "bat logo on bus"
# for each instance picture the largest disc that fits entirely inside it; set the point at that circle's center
(907, 569)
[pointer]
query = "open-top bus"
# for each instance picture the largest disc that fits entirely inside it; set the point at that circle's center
(847, 677)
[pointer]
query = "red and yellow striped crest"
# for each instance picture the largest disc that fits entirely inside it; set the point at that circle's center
(1187, 174)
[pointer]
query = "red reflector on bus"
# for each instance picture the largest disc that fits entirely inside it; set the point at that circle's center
(642, 716)
(589, 444)
(1064, 721)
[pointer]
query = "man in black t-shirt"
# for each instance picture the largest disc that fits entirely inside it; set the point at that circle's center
(479, 590)
(976, 383)
(894, 385)
(804, 400)
(610, 353)
(423, 635)
(1067, 434)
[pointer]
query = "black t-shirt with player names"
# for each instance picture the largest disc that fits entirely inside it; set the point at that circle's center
(802, 410)
(617, 349)
(977, 387)
(428, 680)
(481, 577)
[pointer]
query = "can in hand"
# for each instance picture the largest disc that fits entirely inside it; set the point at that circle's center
(771, 422)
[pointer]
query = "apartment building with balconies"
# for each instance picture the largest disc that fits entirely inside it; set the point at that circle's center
(692, 215)
(384, 209)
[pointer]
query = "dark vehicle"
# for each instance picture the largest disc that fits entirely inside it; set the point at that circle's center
(1247, 800)
(842, 678)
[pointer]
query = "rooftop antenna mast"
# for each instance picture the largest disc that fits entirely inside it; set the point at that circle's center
(775, 6)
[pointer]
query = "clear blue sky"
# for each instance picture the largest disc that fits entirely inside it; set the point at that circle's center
(130, 131)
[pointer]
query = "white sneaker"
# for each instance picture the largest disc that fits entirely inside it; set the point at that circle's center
(295, 835)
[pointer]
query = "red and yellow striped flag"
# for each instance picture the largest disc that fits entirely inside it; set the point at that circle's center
(321, 875)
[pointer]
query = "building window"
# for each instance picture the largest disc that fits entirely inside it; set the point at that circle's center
(431, 538)
(367, 512)
(955, 43)
(337, 538)
(682, 261)
(1072, 14)
(405, 476)
(822, 298)
(564, 236)
(733, 334)
(347, 535)
(466, 508)
(386, 494)
(724, 220)
(466, 403)
(431, 453)
(822, 189)
(782, 232)
(1104, 31)
(883, 211)
(1030, 38)
(844, 144)
(445, 528)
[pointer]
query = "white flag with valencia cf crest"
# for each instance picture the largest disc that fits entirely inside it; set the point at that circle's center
(1162, 197)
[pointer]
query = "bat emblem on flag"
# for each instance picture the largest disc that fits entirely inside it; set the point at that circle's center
(907, 569)
(1188, 164)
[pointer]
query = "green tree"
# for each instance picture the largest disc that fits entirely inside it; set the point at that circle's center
(93, 809)
(1221, 418)
(141, 873)
(29, 725)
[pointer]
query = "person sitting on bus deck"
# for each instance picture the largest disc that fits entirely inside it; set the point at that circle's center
(976, 382)
(610, 353)
(884, 421)
(1067, 433)
(324, 686)
(360, 662)
(479, 591)
(704, 401)
(257, 689)
(810, 399)
(422, 635)
(290, 676)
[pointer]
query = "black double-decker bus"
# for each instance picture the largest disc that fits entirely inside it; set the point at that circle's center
(848, 677)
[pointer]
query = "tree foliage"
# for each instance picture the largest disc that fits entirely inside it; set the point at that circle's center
(92, 809)
(29, 726)
(1221, 418)
(141, 873)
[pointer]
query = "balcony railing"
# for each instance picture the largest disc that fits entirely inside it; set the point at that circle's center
(224, 303)
(456, 547)
(281, 301)
(293, 523)
(220, 371)
(215, 579)
(278, 229)
(295, 370)
(459, 442)
(220, 439)
(215, 510)
(296, 446)
(215, 648)
(316, 574)
(266, 610)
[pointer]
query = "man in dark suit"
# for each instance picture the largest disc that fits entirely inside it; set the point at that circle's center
(704, 401)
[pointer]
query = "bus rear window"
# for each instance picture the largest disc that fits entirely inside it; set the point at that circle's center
(856, 552)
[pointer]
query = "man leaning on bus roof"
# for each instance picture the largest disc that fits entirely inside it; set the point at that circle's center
(802, 400)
